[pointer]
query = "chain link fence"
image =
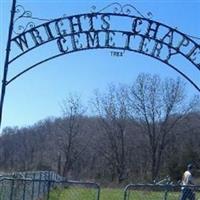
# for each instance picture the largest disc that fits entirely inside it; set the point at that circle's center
(161, 192)
(26, 185)
(45, 186)
(74, 190)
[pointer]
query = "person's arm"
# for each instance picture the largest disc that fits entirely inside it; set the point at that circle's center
(190, 180)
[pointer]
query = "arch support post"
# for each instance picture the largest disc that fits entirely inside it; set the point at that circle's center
(6, 63)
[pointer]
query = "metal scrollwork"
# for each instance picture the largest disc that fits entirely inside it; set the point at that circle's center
(129, 9)
(117, 8)
(20, 12)
(22, 17)
(112, 8)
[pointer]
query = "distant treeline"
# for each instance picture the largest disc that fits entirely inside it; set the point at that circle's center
(139, 132)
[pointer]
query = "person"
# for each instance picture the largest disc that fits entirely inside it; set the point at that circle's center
(187, 180)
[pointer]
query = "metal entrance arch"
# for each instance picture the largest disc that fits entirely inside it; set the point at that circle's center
(99, 30)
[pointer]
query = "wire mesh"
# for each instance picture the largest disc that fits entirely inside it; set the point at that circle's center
(22, 189)
(46, 186)
(161, 192)
(49, 186)
(73, 190)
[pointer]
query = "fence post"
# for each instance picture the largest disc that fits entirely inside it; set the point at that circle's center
(24, 191)
(126, 196)
(33, 187)
(167, 189)
(12, 188)
(48, 189)
(39, 185)
(98, 192)
(166, 192)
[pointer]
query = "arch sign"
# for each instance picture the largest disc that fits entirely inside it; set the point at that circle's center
(100, 30)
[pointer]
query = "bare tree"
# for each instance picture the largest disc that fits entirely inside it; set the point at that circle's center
(158, 106)
(132, 133)
(69, 133)
(112, 111)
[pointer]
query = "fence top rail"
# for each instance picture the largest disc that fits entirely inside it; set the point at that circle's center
(27, 173)
(167, 185)
(96, 185)
(70, 182)
(21, 179)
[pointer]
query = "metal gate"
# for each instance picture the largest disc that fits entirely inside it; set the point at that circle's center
(46, 186)
(160, 192)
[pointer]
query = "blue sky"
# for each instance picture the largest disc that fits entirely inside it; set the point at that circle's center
(39, 93)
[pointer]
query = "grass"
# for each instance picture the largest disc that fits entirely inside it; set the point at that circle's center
(86, 194)
(110, 194)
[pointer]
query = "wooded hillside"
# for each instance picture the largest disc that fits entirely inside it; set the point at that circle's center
(135, 133)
